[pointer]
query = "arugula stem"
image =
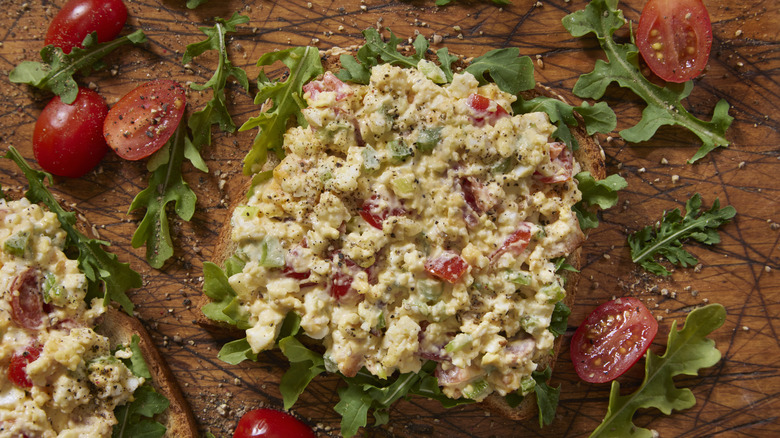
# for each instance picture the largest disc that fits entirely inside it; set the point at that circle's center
(92, 55)
(649, 251)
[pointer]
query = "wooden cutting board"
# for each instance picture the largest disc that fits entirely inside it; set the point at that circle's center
(740, 396)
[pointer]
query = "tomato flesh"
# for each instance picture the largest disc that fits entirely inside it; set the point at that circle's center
(79, 18)
(561, 166)
(270, 423)
(517, 241)
(329, 82)
(344, 271)
(17, 368)
(612, 339)
(26, 300)
(674, 38)
(375, 210)
(449, 267)
(145, 118)
(481, 112)
(68, 139)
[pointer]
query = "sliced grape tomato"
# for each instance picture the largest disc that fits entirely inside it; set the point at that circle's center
(270, 423)
(674, 38)
(611, 339)
(145, 118)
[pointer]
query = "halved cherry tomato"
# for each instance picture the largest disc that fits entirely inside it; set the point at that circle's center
(27, 300)
(142, 121)
(675, 38)
(449, 266)
(17, 368)
(79, 18)
(270, 423)
(612, 339)
(481, 111)
(68, 139)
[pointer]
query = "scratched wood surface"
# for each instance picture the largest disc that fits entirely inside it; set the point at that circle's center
(740, 396)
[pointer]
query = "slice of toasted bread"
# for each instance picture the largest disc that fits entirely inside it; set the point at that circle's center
(120, 328)
(589, 155)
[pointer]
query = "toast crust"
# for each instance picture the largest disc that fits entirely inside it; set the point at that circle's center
(590, 156)
(120, 328)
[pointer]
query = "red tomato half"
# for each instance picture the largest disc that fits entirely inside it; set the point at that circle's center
(142, 121)
(612, 339)
(79, 18)
(67, 139)
(270, 423)
(675, 38)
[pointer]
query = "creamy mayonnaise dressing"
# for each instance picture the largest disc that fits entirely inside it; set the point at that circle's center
(409, 222)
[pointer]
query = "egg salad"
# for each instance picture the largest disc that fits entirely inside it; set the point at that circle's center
(411, 222)
(59, 378)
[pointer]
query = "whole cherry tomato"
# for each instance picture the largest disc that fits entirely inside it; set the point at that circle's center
(675, 38)
(67, 139)
(142, 121)
(611, 339)
(270, 423)
(79, 18)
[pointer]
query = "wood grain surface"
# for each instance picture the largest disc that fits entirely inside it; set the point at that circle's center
(740, 396)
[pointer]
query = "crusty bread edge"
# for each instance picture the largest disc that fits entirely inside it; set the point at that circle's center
(120, 328)
(590, 155)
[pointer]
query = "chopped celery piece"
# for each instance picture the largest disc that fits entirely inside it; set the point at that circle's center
(381, 323)
(476, 390)
(530, 323)
(17, 244)
(552, 293)
(527, 384)
(52, 291)
(370, 161)
(399, 151)
(431, 71)
(430, 289)
(326, 175)
(461, 340)
(273, 254)
(501, 166)
(518, 277)
(403, 185)
(247, 211)
(427, 139)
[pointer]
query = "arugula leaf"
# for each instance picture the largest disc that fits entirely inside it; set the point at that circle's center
(224, 304)
(445, 62)
(664, 106)
(305, 365)
(602, 193)
(135, 418)
(687, 351)
(359, 71)
(215, 111)
(666, 238)
(285, 101)
(510, 71)
(100, 267)
(166, 185)
(192, 4)
(597, 118)
(559, 319)
(546, 396)
(56, 71)
(136, 363)
(235, 352)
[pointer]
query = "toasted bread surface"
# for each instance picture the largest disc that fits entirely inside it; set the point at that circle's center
(589, 155)
(120, 328)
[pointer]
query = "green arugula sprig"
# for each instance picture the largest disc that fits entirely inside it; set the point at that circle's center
(215, 111)
(664, 104)
(192, 4)
(285, 101)
(602, 193)
(166, 183)
(687, 351)
(102, 269)
(56, 71)
(666, 238)
(135, 419)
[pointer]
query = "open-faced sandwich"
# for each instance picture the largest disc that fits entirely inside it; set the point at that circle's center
(72, 365)
(420, 225)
